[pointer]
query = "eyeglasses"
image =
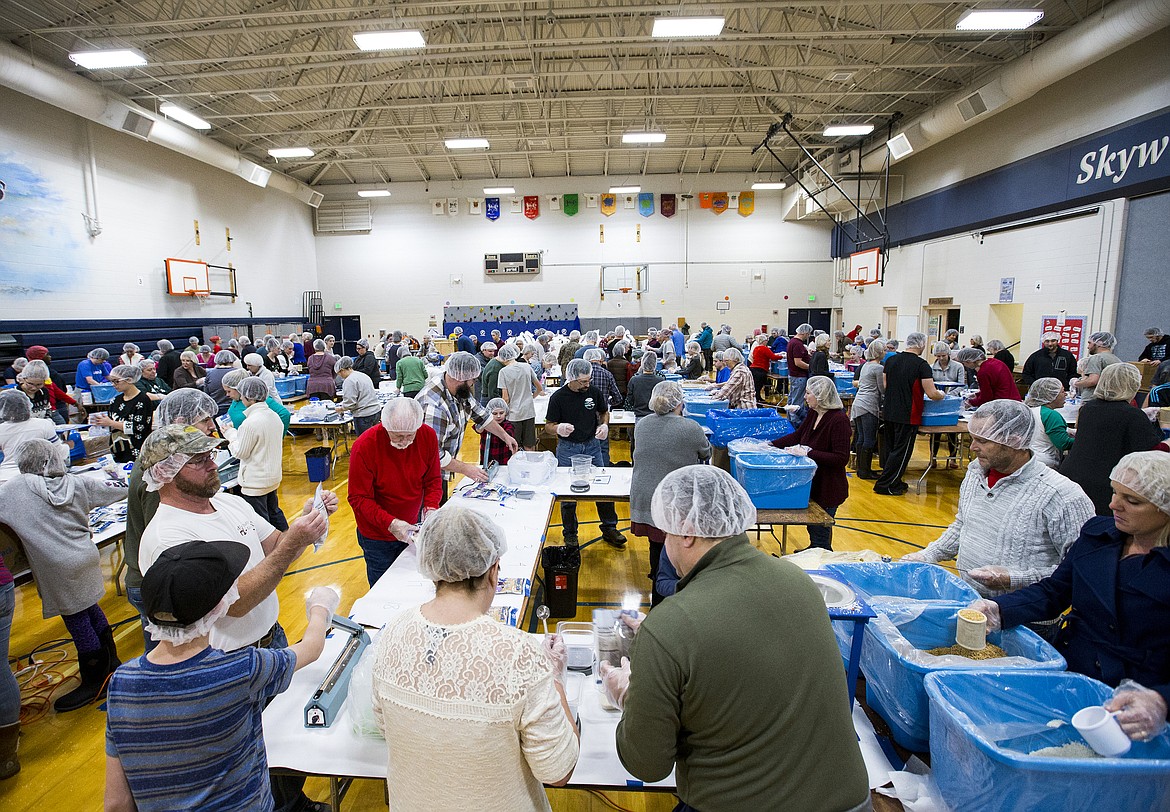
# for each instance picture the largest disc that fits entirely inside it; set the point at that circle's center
(202, 460)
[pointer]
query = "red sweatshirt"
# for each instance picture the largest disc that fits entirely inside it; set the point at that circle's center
(386, 483)
(762, 355)
(995, 383)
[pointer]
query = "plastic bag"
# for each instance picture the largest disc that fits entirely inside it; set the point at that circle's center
(904, 580)
(731, 424)
(531, 467)
(360, 697)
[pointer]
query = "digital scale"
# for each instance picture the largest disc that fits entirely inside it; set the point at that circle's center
(322, 708)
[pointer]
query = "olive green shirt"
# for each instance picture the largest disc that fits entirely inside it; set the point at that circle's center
(410, 373)
(141, 505)
(737, 683)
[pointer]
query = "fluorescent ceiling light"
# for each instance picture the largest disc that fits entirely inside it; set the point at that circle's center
(183, 116)
(624, 190)
(373, 193)
(848, 129)
(291, 152)
(899, 146)
(769, 185)
(687, 27)
(119, 58)
(999, 19)
(499, 190)
(389, 40)
(467, 143)
(643, 138)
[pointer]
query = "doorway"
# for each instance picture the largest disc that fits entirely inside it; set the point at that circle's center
(939, 320)
(1006, 322)
(819, 318)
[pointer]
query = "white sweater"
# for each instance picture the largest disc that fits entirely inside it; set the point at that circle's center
(259, 446)
(1026, 523)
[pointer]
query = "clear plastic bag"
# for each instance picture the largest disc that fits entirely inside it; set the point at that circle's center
(907, 579)
(360, 697)
(531, 467)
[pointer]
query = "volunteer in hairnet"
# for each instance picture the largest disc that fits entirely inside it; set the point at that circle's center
(474, 710)
(735, 682)
(1017, 517)
(1116, 579)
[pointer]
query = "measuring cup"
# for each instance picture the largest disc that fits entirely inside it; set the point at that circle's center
(581, 473)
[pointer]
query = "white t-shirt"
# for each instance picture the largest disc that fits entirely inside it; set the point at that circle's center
(233, 520)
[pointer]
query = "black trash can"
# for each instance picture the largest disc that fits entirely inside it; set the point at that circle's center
(319, 461)
(560, 565)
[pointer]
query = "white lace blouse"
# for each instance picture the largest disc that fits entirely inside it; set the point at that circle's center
(471, 716)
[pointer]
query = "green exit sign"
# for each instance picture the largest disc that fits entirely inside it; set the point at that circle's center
(812, 297)
(337, 305)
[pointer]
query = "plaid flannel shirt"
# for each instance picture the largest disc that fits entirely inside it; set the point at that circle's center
(603, 381)
(740, 389)
(448, 416)
(499, 451)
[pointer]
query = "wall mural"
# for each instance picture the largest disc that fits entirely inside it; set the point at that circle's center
(38, 247)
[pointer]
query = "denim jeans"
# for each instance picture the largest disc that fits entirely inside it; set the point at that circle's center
(134, 596)
(819, 535)
(566, 450)
(379, 555)
(361, 424)
(796, 398)
(9, 690)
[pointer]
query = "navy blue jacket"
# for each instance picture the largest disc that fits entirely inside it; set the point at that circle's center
(1095, 640)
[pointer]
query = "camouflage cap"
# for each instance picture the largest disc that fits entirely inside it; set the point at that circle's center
(175, 439)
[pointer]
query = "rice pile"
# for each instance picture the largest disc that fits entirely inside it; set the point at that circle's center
(1070, 750)
(988, 652)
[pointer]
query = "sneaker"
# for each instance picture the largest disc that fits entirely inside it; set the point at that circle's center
(571, 540)
(887, 491)
(612, 537)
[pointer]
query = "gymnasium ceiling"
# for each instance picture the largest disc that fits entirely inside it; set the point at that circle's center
(552, 84)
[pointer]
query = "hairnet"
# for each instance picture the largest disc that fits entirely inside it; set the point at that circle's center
(1118, 382)
(666, 397)
(456, 543)
(733, 356)
(574, 335)
(364, 343)
(463, 366)
(318, 346)
(1007, 422)
(1154, 332)
(233, 378)
(549, 358)
(1051, 335)
(164, 471)
(825, 391)
(253, 389)
(271, 344)
(403, 351)
(40, 457)
(1106, 340)
(125, 372)
(804, 329)
(327, 338)
(203, 348)
(876, 333)
(592, 336)
(940, 348)
(761, 339)
(649, 362)
(402, 415)
(994, 346)
(725, 328)
(532, 349)
(496, 403)
(187, 355)
(892, 344)
(15, 407)
(970, 355)
(233, 343)
(1043, 391)
(702, 501)
(98, 354)
(977, 339)
(129, 347)
(193, 340)
(164, 345)
(916, 340)
(488, 345)
(344, 362)
(225, 358)
(876, 351)
(823, 340)
(253, 359)
(594, 355)
(34, 371)
(509, 353)
(620, 348)
(147, 363)
(1146, 473)
(692, 346)
(186, 407)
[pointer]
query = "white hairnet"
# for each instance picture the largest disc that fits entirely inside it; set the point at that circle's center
(876, 351)
(253, 359)
(463, 366)
(488, 345)
(41, 457)
(225, 358)
(34, 371)
(1146, 473)
(254, 389)
(125, 372)
(402, 415)
(496, 403)
(1107, 340)
(970, 355)
(403, 351)
(344, 362)
(456, 543)
(994, 346)
(164, 471)
(823, 340)
(804, 329)
(594, 355)
(692, 346)
(649, 362)
(825, 391)
(129, 348)
(232, 379)
(509, 353)
(593, 336)
(916, 340)
(98, 354)
(576, 368)
(732, 356)
(1118, 382)
(164, 345)
(702, 501)
(574, 334)
(15, 407)
(147, 363)
(271, 344)
(185, 407)
(318, 345)
(1007, 422)
(940, 347)
(1051, 335)
(666, 397)
(1043, 391)
(620, 349)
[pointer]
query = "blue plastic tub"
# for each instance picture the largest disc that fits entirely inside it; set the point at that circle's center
(701, 419)
(302, 384)
(734, 424)
(983, 725)
(776, 481)
(103, 392)
(894, 661)
(845, 383)
(780, 368)
(940, 419)
(701, 404)
(286, 387)
(909, 579)
(948, 405)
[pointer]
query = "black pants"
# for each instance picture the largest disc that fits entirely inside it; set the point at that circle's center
(899, 439)
(707, 359)
(760, 376)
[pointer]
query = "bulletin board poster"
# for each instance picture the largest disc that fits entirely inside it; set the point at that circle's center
(1072, 331)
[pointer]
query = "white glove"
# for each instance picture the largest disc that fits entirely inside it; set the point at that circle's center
(564, 429)
(915, 556)
(616, 681)
(558, 655)
(402, 530)
(323, 596)
(798, 450)
(602, 431)
(1141, 712)
(991, 609)
(992, 577)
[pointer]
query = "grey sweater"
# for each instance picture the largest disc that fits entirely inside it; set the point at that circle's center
(662, 443)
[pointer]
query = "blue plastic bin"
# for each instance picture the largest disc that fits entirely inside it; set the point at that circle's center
(319, 461)
(780, 368)
(845, 383)
(302, 384)
(983, 724)
(776, 481)
(701, 404)
(733, 424)
(893, 681)
(908, 579)
(286, 387)
(103, 392)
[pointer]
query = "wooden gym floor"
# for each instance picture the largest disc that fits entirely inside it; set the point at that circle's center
(62, 756)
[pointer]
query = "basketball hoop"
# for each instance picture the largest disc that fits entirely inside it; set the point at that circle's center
(201, 296)
(625, 290)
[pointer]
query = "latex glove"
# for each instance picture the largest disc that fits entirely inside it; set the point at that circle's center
(798, 450)
(616, 681)
(915, 556)
(564, 429)
(558, 655)
(323, 596)
(991, 609)
(1141, 712)
(328, 499)
(992, 577)
(633, 620)
(402, 530)
(602, 431)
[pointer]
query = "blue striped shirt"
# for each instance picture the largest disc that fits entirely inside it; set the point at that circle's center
(189, 735)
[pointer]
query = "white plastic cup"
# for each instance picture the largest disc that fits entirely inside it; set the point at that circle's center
(1100, 729)
(971, 630)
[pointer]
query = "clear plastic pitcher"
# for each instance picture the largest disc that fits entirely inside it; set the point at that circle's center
(582, 472)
